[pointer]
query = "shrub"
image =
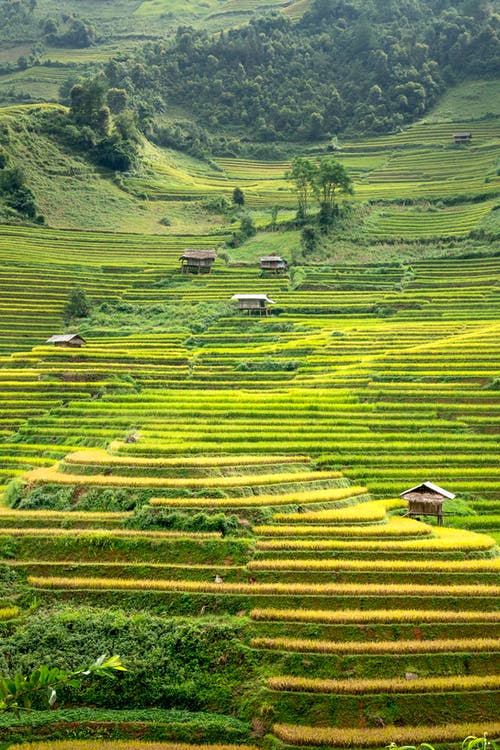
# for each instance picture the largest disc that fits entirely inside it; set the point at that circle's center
(78, 305)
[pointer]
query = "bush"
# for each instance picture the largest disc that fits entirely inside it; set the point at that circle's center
(78, 305)
(194, 666)
(148, 518)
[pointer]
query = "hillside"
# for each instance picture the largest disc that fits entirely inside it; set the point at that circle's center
(215, 496)
(414, 185)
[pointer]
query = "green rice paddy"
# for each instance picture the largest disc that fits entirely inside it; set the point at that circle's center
(307, 424)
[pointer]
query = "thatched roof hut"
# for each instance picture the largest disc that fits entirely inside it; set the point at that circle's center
(253, 303)
(462, 137)
(197, 261)
(67, 339)
(274, 263)
(427, 499)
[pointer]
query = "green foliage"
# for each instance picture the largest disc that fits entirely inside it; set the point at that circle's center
(267, 365)
(157, 518)
(13, 492)
(156, 724)
(186, 665)
(78, 305)
(112, 143)
(180, 317)
(75, 32)
(246, 231)
(19, 692)
(469, 743)
(309, 239)
(238, 197)
(349, 66)
(15, 192)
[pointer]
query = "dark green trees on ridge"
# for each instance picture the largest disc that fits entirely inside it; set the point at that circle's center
(346, 66)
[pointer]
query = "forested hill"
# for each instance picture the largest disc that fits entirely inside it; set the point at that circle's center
(346, 66)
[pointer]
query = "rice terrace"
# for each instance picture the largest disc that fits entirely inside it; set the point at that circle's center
(249, 374)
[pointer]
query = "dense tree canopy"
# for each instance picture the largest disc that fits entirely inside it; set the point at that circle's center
(347, 65)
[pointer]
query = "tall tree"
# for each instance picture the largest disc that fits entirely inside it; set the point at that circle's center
(303, 173)
(332, 179)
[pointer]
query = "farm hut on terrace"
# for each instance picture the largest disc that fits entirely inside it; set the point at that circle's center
(274, 263)
(253, 303)
(67, 339)
(427, 499)
(462, 137)
(197, 261)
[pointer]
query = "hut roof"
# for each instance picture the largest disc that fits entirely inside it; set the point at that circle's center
(464, 134)
(199, 254)
(64, 338)
(253, 296)
(270, 258)
(433, 488)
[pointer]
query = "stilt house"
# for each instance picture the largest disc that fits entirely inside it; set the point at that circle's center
(197, 261)
(273, 263)
(426, 499)
(67, 339)
(253, 303)
(462, 137)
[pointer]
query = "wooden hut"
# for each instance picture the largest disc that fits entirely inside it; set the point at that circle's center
(67, 339)
(197, 261)
(426, 499)
(273, 263)
(253, 303)
(462, 137)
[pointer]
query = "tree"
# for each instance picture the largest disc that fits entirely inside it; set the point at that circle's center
(78, 305)
(87, 99)
(309, 239)
(332, 178)
(17, 693)
(303, 173)
(238, 197)
(117, 100)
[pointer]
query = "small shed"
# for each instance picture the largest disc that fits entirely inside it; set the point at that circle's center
(426, 499)
(274, 263)
(197, 261)
(253, 303)
(462, 137)
(67, 339)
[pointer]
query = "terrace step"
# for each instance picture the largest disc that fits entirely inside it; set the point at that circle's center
(333, 736)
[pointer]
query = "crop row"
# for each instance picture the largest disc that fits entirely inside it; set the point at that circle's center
(303, 497)
(101, 457)
(434, 566)
(444, 539)
(362, 513)
(430, 646)
(44, 476)
(373, 615)
(294, 734)
(275, 589)
(453, 684)
(396, 527)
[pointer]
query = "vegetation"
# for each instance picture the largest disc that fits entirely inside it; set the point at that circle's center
(216, 496)
(18, 693)
(354, 66)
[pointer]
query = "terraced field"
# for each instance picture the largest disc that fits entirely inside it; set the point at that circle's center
(305, 427)
(192, 464)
